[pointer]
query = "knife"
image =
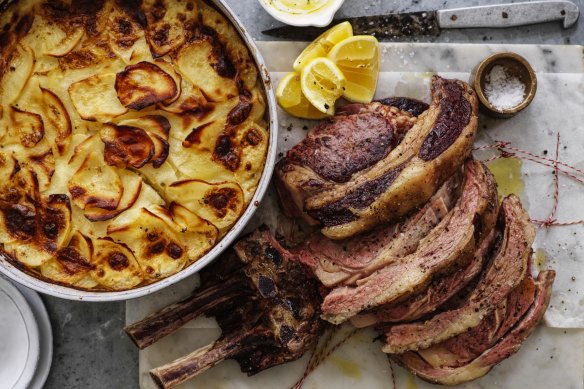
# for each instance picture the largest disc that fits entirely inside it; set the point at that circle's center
(390, 26)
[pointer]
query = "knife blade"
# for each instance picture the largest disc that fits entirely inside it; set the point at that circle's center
(390, 26)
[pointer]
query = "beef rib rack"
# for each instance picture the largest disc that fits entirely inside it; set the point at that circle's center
(375, 164)
(266, 305)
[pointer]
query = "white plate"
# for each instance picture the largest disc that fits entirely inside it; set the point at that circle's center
(19, 338)
(46, 337)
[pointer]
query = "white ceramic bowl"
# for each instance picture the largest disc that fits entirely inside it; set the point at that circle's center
(74, 294)
(319, 18)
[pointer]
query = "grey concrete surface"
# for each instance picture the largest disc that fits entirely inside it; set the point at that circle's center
(91, 351)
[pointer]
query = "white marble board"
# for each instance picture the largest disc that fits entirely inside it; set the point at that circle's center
(554, 355)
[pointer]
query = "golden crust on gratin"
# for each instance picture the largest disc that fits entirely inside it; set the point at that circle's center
(132, 137)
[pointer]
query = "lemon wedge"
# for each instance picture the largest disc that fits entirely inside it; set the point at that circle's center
(323, 44)
(358, 58)
(291, 99)
(322, 83)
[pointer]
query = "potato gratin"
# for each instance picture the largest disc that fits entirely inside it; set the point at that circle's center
(132, 137)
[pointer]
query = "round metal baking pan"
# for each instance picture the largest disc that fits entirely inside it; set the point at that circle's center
(8, 269)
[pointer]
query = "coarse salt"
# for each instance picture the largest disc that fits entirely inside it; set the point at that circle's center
(503, 90)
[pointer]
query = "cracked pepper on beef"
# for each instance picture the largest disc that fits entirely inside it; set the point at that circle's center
(336, 262)
(451, 244)
(438, 293)
(502, 348)
(505, 272)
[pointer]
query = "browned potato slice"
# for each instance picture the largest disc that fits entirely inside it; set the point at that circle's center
(191, 162)
(96, 99)
(22, 184)
(169, 69)
(232, 43)
(253, 141)
(155, 124)
(26, 127)
(125, 34)
(41, 231)
(42, 163)
(44, 65)
(96, 185)
(83, 148)
(155, 243)
(144, 84)
(72, 263)
(237, 154)
(258, 109)
(67, 44)
(203, 138)
(86, 282)
(204, 124)
(198, 235)
(92, 54)
(164, 38)
(9, 166)
(16, 77)
(38, 159)
(168, 27)
(58, 117)
(126, 145)
(17, 184)
(132, 184)
(206, 67)
(221, 204)
(191, 98)
(116, 267)
(158, 129)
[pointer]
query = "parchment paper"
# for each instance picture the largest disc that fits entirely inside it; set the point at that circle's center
(553, 357)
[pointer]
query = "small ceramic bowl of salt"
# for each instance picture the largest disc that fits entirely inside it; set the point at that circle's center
(505, 84)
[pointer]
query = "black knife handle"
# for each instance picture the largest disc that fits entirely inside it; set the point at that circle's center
(384, 27)
(387, 27)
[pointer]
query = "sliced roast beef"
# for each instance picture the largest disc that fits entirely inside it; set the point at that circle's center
(337, 149)
(506, 270)
(446, 248)
(502, 349)
(463, 348)
(379, 184)
(335, 262)
(439, 292)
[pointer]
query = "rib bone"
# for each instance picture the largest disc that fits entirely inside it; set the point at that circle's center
(164, 322)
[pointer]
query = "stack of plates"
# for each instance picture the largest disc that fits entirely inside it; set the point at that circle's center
(26, 341)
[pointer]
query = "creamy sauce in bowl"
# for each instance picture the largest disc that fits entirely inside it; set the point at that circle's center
(302, 12)
(297, 7)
